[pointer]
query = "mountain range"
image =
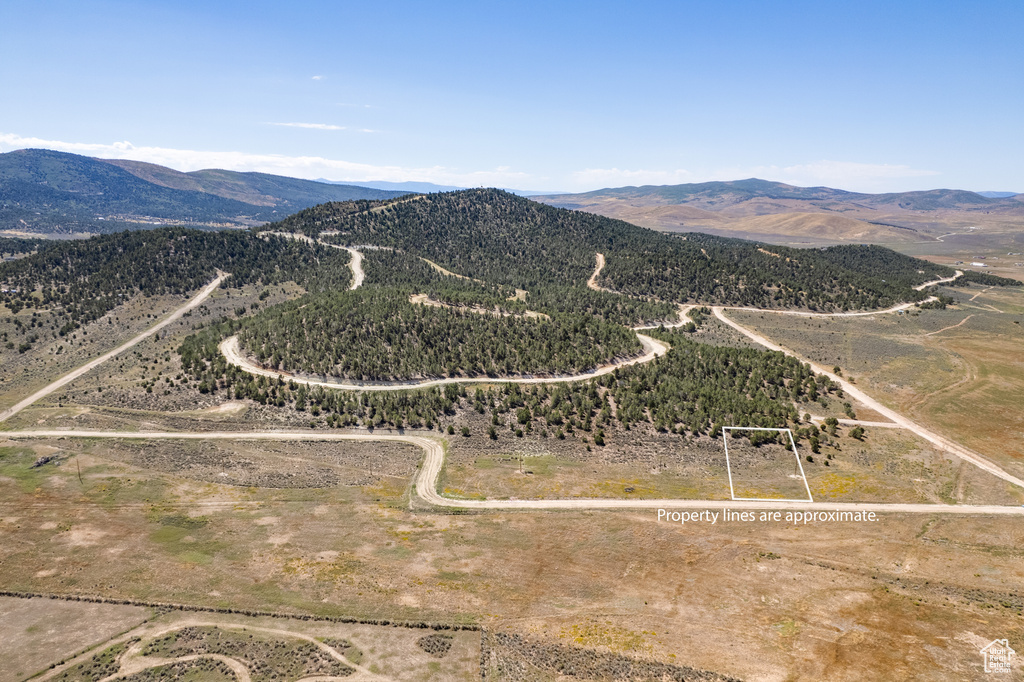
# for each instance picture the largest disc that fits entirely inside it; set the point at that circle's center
(759, 208)
(54, 193)
(49, 192)
(429, 187)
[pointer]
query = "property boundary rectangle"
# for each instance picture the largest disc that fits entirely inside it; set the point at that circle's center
(728, 466)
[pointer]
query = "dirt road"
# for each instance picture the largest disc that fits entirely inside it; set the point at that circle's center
(231, 350)
(941, 280)
(592, 282)
(425, 299)
(356, 264)
(74, 374)
(952, 326)
(684, 317)
(933, 438)
(433, 447)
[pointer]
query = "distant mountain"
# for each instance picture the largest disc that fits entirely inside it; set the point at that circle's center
(998, 195)
(412, 187)
(429, 187)
(44, 191)
(763, 209)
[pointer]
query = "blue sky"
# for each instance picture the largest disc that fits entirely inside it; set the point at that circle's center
(869, 96)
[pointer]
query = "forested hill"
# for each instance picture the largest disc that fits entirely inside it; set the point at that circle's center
(45, 191)
(80, 280)
(506, 239)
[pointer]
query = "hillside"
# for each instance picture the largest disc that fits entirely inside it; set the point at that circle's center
(807, 213)
(80, 280)
(511, 241)
(44, 191)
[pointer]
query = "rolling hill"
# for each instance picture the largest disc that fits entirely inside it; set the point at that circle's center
(509, 240)
(761, 208)
(52, 192)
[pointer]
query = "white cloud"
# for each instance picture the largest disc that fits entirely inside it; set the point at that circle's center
(864, 177)
(318, 78)
(311, 126)
(309, 167)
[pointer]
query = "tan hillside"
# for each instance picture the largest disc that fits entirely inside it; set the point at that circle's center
(211, 182)
(822, 226)
(787, 223)
(655, 217)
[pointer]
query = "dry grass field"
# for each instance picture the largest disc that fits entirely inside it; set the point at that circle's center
(174, 644)
(887, 465)
(37, 632)
(826, 601)
(122, 381)
(959, 371)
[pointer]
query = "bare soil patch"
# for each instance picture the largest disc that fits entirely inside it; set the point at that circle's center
(37, 632)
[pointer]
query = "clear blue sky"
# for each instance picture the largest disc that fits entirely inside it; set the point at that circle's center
(871, 96)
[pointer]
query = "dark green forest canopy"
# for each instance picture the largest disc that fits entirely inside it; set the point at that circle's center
(985, 279)
(700, 388)
(11, 246)
(508, 240)
(371, 335)
(694, 389)
(389, 268)
(83, 279)
(716, 270)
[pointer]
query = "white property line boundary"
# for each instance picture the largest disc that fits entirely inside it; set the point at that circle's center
(941, 442)
(426, 479)
(728, 466)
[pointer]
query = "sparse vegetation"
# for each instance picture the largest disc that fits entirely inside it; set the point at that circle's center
(267, 658)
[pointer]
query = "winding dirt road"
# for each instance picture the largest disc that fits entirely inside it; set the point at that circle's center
(592, 282)
(893, 309)
(92, 364)
(231, 350)
(933, 438)
(425, 299)
(433, 447)
(941, 280)
(356, 265)
(898, 420)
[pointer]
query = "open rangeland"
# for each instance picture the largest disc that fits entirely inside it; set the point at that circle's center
(827, 600)
(961, 377)
(213, 644)
(37, 633)
(884, 465)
